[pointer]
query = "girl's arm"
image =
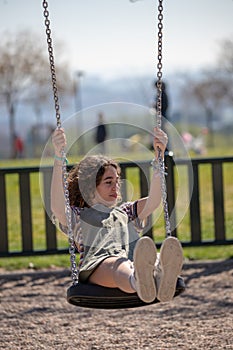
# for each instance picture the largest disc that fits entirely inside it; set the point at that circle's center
(146, 206)
(57, 191)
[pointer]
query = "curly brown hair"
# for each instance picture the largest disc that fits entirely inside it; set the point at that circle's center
(84, 177)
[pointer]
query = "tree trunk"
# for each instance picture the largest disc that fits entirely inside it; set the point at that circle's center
(209, 124)
(11, 109)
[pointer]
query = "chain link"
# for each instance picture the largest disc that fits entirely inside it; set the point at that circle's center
(159, 117)
(74, 271)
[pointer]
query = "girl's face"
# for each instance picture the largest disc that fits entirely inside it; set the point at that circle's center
(108, 189)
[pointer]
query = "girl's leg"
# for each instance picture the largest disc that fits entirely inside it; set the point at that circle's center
(114, 272)
(119, 272)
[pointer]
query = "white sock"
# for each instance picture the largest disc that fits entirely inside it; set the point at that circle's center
(132, 281)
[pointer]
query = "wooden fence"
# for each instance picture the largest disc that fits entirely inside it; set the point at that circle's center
(195, 228)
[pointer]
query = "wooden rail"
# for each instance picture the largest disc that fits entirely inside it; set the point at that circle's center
(196, 239)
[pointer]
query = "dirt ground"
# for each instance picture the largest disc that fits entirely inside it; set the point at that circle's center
(35, 314)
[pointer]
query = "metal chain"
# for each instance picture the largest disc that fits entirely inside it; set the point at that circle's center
(74, 271)
(51, 61)
(159, 118)
(159, 65)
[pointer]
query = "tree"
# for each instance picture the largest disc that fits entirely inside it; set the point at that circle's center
(24, 74)
(225, 67)
(209, 92)
(213, 88)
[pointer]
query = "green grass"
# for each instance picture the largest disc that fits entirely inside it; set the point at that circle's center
(209, 253)
(63, 260)
(39, 240)
(35, 262)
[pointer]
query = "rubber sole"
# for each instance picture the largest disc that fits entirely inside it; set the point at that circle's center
(171, 262)
(144, 263)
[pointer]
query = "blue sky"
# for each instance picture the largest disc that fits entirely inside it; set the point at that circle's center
(117, 37)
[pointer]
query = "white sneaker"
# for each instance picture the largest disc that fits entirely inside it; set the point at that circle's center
(168, 268)
(144, 263)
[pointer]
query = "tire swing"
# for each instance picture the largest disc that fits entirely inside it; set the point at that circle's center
(90, 295)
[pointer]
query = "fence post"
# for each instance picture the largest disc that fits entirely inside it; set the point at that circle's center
(169, 163)
(195, 220)
(50, 228)
(4, 247)
(219, 219)
(26, 211)
(144, 175)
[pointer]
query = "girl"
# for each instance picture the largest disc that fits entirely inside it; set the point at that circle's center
(114, 255)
